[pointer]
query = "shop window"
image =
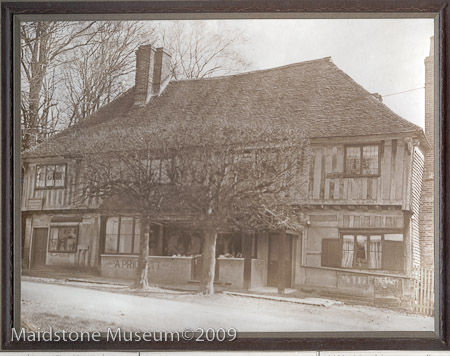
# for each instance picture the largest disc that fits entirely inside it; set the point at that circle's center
(122, 235)
(364, 251)
(229, 245)
(362, 160)
(51, 176)
(232, 245)
(178, 242)
(63, 239)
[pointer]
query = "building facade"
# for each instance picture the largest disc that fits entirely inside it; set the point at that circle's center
(359, 198)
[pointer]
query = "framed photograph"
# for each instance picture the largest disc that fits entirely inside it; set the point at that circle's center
(195, 175)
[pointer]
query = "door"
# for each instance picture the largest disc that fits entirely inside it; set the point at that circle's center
(39, 247)
(276, 256)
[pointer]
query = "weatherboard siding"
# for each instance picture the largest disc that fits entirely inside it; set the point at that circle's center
(417, 179)
(331, 184)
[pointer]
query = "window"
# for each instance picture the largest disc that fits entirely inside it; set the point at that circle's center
(364, 251)
(155, 168)
(362, 160)
(122, 235)
(161, 170)
(63, 239)
(243, 166)
(361, 251)
(229, 245)
(181, 242)
(51, 176)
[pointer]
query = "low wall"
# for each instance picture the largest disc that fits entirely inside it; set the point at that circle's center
(231, 270)
(362, 284)
(165, 269)
(257, 278)
(180, 270)
(60, 259)
(355, 284)
(119, 266)
(161, 269)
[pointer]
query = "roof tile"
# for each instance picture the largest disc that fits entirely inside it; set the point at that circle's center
(316, 94)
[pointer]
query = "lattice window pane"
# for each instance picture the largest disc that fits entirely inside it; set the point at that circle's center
(370, 160)
(353, 160)
(60, 175)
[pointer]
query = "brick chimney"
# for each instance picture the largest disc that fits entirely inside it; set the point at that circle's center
(152, 73)
(426, 229)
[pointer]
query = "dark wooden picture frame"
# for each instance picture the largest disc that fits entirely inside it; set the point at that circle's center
(10, 169)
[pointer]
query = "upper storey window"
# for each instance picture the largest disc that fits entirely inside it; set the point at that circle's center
(51, 176)
(362, 160)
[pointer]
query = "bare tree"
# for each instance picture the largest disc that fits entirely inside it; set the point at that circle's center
(43, 44)
(138, 181)
(223, 176)
(240, 177)
(199, 52)
(101, 70)
(71, 69)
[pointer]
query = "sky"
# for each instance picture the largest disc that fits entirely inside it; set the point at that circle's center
(385, 56)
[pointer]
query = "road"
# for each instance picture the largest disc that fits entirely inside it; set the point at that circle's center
(69, 307)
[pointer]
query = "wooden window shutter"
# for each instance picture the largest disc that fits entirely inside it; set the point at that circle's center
(331, 253)
(398, 261)
(392, 255)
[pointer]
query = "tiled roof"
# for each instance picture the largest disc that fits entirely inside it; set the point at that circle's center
(316, 94)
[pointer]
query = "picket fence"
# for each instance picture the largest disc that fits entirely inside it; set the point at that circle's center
(424, 291)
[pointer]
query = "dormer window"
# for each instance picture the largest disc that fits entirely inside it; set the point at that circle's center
(51, 176)
(362, 160)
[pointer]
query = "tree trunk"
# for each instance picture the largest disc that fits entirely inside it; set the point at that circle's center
(144, 246)
(247, 254)
(38, 70)
(209, 263)
(281, 263)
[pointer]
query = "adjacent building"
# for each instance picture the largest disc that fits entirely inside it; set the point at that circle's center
(427, 199)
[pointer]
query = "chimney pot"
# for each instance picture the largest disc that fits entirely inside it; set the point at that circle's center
(378, 96)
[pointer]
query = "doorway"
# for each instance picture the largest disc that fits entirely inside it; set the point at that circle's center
(39, 247)
(275, 256)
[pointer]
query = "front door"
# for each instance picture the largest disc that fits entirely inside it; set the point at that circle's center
(39, 247)
(275, 257)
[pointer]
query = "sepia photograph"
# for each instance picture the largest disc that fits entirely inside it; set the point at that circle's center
(213, 177)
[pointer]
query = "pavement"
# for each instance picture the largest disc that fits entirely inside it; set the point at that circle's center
(306, 301)
(67, 305)
(89, 280)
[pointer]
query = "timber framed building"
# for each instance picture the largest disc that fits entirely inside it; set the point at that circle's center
(361, 202)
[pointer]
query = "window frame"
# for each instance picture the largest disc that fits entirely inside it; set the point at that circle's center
(60, 226)
(45, 175)
(133, 236)
(160, 167)
(368, 234)
(360, 174)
